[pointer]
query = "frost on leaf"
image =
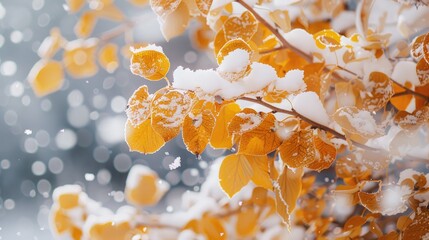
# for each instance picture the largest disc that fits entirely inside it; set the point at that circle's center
(244, 26)
(389, 201)
(262, 139)
(325, 152)
(164, 7)
(149, 62)
(197, 130)
(169, 108)
(231, 46)
(419, 227)
(355, 121)
(379, 91)
(408, 120)
(287, 190)
(204, 5)
(46, 76)
(139, 106)
(175, 23)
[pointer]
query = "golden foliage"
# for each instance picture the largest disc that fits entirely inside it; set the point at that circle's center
(298, 149)
(143, 137)
(150, 64)
(46, 77)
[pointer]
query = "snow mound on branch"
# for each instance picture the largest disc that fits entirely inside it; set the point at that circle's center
(309, 105)
(293, 81)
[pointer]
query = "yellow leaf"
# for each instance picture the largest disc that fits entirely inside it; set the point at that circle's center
(109, 230)
(298, 150)
(143, 138)
(388, 202)
(288, 189)
(262, 139)
(417, 47)
(247, 222)
(244, 121)
(197, 131)
(281, 18)
(46, 77)
(244, 26)
(79, 58)
(204, 6)
(110, 11)
(85, 25)
(138, 109)
(164, 7)
(261, 175)
(325, 152)
(220, 137)
(212, 228)
(143, 187)
(108, 58)
(235, 172)
(175, 23)
(75, 5)
(327, 38)
(169, 108)
(149, 63)
(232, 45)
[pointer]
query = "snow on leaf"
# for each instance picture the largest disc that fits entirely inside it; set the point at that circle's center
(422, 70)
(175, 23)
(244, 26)
(139, 106)
(379, 93)
(169, 107)
(325, 152)
(149, 62)
(389, 201)
(79, 58)
(419, 227)
(197, 130)
(356, 121)
(309, 105)
(164, 7)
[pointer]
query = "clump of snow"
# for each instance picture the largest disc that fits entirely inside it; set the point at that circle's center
(235, 61)
(148, 47)
(211, 82)
(293, 81)
(309, 105)
(138, 171)
(405, 71)
(394, 200)
(407, 174)
(362, 122)
(175, 164)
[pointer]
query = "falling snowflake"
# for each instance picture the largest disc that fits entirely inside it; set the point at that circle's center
(175, 164)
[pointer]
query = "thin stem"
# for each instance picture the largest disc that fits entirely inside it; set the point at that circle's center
(286, 44)
(115, 32)
(293, 112)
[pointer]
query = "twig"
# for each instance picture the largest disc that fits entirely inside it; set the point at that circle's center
(325, 128)
(117, 31)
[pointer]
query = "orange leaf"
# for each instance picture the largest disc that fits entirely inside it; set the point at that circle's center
(261, 175)
(85, 25)
(149, 62)
(422, 70)
(75, 5)
(298, 150)
(247, 222)
(79, 58)
(243, 27)
(164, 7)
(220, 137)
(325, 152)
(262, 139)
(235, 172)
(380, 92)
(419, 227)
(356, 121)
(197, 131)
(287, 192)
(169, 108)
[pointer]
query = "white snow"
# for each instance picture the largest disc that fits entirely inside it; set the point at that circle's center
(309, 105)
(175, 164)
(405, 71)
(235, 61)
(293, 81)
(148, 47)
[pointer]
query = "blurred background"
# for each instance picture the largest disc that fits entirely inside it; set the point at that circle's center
(75, 136)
